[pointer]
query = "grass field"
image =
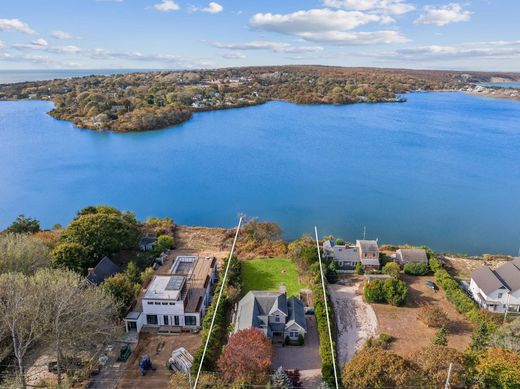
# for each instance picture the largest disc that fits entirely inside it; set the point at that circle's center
(268, 274)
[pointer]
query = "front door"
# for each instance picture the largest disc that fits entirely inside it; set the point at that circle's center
(166, 321)
(132, 326)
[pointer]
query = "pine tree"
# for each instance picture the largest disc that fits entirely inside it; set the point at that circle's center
(441, 337)
(480, 337)
(281, 380)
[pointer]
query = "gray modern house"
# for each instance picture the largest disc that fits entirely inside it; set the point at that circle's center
(273, 313)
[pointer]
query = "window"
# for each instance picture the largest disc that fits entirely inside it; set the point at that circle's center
(151, 319)
(172, 303)
(500, 295)
(190, 320)
(164, 303)
(150, 302)
(293, 334)
(277, 319)
(157, 303)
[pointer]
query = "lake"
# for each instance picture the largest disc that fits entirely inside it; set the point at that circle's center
(442, 169)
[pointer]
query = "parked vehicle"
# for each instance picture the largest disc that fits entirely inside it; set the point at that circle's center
(431, 285)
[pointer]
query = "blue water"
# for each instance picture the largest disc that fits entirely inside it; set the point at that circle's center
(502, 84)
(12, 76)
(442, 169)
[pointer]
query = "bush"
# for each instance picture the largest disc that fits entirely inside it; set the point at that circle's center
(373, 292)
(416, 269)
(164, 242)
(358, 269)
(441, 337)
(392, 269)
(395, 291)
(432, 316)
(72, 256)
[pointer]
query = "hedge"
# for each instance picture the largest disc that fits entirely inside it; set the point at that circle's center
(327, 366)
(455, 294)
(220, 326)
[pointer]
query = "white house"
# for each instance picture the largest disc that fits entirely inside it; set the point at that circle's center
(497, 290)
(176, 300)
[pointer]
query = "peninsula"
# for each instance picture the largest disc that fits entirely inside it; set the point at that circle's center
(153, 100)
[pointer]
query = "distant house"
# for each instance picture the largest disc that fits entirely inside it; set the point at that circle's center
(147, 243)
(497, 290)
(273, 314)
(369, 253)
(176, 300)
(404, 256)
(103, 270)
(345, 256)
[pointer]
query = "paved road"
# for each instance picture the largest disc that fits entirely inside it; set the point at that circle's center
(305, 358)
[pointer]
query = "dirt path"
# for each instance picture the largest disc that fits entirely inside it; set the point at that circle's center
(356, 320)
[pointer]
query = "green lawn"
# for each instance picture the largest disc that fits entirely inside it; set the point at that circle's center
(267, 274)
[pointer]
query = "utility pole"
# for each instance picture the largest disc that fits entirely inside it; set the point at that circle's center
(447, 385)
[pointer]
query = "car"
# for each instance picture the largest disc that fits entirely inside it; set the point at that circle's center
(431, 285)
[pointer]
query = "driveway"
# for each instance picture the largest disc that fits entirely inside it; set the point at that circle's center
(356, 320)
(305, 358)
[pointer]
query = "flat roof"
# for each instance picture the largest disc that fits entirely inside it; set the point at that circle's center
(165, 287)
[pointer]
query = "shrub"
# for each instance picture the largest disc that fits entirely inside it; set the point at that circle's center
(359, 269)
(434, 362)
(433, 316)
(301, 340)
(392, 269)
(164, 242)
(373, 292)
(441, 337)
(147, 275)
(339, 242)
(386, 338)
(499, 368)
(416, 269)
(395, 291)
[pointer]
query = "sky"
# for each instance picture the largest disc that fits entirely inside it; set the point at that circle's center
(181, 34)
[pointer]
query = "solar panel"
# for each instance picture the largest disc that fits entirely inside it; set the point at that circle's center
(175, 283)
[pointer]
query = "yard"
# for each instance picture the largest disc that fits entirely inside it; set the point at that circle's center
(412, 334)
(268, 274)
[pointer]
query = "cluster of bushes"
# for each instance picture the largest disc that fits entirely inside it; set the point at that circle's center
(391, 291)
(416, 269)
(222, 319)
(433, 316)
(260, 239)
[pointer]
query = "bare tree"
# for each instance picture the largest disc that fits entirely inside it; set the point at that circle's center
(21, 307)
(22, 253)
(79, 317)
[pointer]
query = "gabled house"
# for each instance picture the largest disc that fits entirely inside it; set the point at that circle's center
(103, 270)
(413, 255)
(345, 256)
(497, 290)
(273, 314)
(368, 253)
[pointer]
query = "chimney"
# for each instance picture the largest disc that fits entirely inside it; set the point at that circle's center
(283, 289)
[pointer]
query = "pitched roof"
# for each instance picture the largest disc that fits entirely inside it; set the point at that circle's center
(256, 306)
(412, 255)
(296, 313)
(367, 245)
(509, 274)
(487, 280)
(370, 261)
(103, 270)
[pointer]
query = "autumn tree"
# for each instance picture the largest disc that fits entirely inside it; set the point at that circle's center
(498, 369)
(374, 367)
(247, 357)
(434, 362)
(22, 253)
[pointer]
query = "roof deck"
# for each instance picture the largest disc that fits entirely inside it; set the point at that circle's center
(165, 287)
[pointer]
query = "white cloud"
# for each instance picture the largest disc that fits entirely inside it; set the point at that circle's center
(394, 7)
(440, 16)
(167, 6)
(212, 8)
(61, 35)
(40, 42)
(277, 47)
(440, 53)
(15, 25)
(328, 26)
(233, 55)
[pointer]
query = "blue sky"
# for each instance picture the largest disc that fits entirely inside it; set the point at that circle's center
(472, 35)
